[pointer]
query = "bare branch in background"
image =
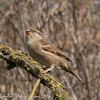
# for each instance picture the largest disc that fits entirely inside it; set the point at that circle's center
(72, 25)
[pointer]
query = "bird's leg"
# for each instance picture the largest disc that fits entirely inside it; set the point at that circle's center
(49, 69)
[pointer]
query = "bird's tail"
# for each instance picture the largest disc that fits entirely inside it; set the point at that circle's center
(70, 70)
(77, 76)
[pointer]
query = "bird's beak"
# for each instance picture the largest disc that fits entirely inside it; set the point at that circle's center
(28, 32)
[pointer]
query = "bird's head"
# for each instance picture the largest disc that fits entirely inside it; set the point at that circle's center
(33, 33)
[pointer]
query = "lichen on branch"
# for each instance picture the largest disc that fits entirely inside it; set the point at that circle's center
(16, 58)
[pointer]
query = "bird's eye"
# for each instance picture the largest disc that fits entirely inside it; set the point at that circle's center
(34, 31)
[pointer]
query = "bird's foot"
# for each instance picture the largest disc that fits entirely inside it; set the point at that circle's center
(49, 69)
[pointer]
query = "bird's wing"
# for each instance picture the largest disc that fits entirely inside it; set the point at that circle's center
(47, 46)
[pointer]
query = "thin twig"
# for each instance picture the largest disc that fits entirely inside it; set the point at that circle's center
(34, 89)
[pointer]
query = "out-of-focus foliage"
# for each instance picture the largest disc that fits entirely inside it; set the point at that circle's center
(72, 25)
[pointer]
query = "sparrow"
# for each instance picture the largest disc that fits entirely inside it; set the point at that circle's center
(45, 53)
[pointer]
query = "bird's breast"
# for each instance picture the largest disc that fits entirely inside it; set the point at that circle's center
(36, 54)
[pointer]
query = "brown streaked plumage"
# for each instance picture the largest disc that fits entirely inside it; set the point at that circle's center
(51, 48)
(46, 53)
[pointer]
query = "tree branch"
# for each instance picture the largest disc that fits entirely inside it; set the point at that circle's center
(17, 58)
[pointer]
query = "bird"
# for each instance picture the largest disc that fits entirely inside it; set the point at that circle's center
(47, 54)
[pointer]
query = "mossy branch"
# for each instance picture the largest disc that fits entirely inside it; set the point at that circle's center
(16, 58)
